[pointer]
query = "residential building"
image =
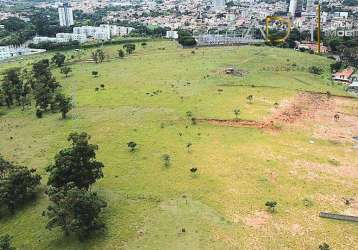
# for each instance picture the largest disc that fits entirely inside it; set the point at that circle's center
(72, 37)
(42, 39)
(295, 9)
(99, 33)
(219, 5)
(8, 52)
(172, 35)
(65, 14)
(344, 75)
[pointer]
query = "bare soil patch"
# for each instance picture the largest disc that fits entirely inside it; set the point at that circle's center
(258, 219)
(234, 123)
(342, 129)
(342, 170)
(303, 106)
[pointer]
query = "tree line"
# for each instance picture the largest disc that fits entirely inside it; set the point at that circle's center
(20, 87)
(73, 207)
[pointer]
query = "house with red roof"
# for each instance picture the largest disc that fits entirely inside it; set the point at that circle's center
(343, 75)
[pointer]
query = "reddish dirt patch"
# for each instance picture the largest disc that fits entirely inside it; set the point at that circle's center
(258, 219)
(303, 106)
(234, 123)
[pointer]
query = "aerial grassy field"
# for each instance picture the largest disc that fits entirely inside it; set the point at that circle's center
(308, 164)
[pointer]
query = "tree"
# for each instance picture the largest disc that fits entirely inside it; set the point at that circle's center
(76, 164)
(66, 70)
(129, 47)
(324, 246)
(237, 113)
(271, 205)
(188, 146)
(166, 160)
(250, 98)
(186, 38)
(64, 104)
(74, 210)
(95, 73)
(5, 242)
(334, 43)
(44, 85)
(120, 53)
(98, 56)
(39, 113)
(12, 86)
(350, 55)
(17, 184)
(193, 170)
(336, 66)
(58, 59)
(132, 146)
(144, 44)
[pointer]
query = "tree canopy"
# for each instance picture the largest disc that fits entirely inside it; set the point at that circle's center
(74, 210)
(76, 164)
(17, 184)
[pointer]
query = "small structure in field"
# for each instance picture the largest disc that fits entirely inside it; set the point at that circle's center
(235, 72)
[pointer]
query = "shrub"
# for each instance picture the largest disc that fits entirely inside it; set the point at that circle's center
(271, 205)
(5, 242)
(315, 70)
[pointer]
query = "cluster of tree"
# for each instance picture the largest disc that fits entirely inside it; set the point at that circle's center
(295, 35)
(338, 43)
(16, 32)
(346, 48)
(350, 2)
(43, 22)
(129, 47)
(17, 185)
(55, 46)
(74, 208)
(46, 23)
(186, 38)
(98, 56)
(337, 66)
(141, 30)
(19, 85)
(92, 19)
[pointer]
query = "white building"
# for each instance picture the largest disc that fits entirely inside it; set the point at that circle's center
(124, 31)
(103, 32)
(295, 8)
(42, 39)
(72, 37)
(99, 33)
(172, 35)
(219, 5)
(65, 14)
(8, 52)
(4, 52)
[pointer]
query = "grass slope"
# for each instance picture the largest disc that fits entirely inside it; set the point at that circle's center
(150, 204)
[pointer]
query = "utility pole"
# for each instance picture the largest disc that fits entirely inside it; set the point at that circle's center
(319, 28)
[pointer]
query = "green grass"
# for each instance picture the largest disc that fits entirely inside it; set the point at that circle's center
(150, 204)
